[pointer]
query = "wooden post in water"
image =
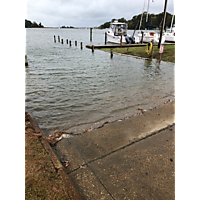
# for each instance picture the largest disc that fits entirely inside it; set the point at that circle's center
(160, 57)
(58, 38)
(91, 34)
(75, 43)
(92, 48)
(105, 37)
(54, 38)
(67, 41)
(26, 62)
(111, 53)
(70, 43)
(81, 45)
(61, 41)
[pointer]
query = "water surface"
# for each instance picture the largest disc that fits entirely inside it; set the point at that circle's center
(72, 89)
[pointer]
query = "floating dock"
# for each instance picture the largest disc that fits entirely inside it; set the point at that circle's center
(121, 46)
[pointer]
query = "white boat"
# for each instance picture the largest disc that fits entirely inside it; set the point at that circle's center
(170, 35)
(151, 35)
(118, 30)
(148, 36)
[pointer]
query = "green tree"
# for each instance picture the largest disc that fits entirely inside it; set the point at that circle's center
(153, 19)
(29, 24)
(40, 25)
(122, 20)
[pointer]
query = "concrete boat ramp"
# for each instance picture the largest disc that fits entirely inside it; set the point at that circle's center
(127, 159)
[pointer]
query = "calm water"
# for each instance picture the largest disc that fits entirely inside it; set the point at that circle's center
(72, 89)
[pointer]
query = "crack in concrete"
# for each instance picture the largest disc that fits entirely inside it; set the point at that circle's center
(99, 158)
(101, 183)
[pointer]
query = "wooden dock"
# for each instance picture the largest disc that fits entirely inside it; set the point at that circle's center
(123, 45)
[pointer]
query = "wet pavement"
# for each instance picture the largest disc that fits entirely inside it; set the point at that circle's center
(129, 159)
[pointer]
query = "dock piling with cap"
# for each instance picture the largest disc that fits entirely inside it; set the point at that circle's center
(105, 38)
(26, 62)
(91, 34)
(111, 53)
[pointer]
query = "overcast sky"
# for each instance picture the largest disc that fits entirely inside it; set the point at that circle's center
(89, 13)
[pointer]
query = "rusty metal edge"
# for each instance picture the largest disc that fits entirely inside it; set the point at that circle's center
(71, 191)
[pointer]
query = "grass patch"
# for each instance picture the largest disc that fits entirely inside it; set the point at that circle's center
(41, 179)
(168, 52)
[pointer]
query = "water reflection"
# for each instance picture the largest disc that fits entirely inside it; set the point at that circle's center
(152, 69)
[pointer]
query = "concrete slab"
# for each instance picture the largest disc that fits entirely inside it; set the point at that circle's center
(68, 152)
(88, 185)
(97, 143)
(144, 170)
(129, 159)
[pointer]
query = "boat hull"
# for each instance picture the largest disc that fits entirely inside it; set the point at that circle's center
(169, 38)
(148, 38)
(115, 39)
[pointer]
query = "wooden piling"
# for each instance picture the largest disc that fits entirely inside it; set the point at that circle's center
(111, 53)
(75, 43)
(58, 38)
(67, 41)
(161, 52)
(61, 41)
(90, 34)
(70, 43)
(121, 41)
(81, 45)
(105, 37)
(160, 57)
(54, 38)
(142, 37)
(92, 48)
(26, 62)
(163, 24)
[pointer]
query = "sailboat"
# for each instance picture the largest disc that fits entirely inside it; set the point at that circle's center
(170, 33)
(148, 36)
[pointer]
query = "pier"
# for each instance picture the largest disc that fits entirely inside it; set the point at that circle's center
(123, 45)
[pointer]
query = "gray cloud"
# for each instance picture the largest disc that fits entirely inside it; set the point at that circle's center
(87, 12)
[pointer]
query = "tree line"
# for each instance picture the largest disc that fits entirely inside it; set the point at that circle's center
(29, 24)
(155, 20)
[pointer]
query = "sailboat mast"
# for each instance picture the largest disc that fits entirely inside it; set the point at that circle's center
(142, 15)
(172, 22)
(147, 11)
(173, 17)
